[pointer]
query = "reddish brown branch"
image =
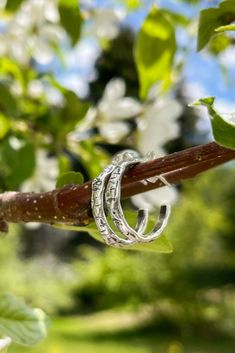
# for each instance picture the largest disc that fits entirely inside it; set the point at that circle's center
(71, 204)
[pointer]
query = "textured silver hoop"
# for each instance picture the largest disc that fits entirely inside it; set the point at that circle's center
(97, 204)
(112, 176)
(113, 201)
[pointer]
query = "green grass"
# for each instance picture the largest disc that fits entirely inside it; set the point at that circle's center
(111, 332)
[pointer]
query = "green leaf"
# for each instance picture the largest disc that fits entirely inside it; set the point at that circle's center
(74, 109)
(13, 5)
(7, 101)
(223, 126)
(225, 28)
(161, 244)
(18, 161)
(23, 324)
(9, 68)
(4, 126)
(69, 178)
(70, 18)
(219, 43)
(4, 344)
(133, 4)
(64, 163)
(176, 18)
(154, 51)
(213, 18)
(191, 1)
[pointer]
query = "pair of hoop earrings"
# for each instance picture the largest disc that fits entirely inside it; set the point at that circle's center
(110, 196)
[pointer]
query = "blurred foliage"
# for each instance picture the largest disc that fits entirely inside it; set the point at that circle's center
(71, 19)
(190, 287)
(223, 126)
(219, 43)
(104, 333)
(116, 60)
(47, 129)
(37, 279)
(37, 113)
(212, 18)
(161, 244)
(13, 5)
(69, 178)
(154, 51)
(23, 324)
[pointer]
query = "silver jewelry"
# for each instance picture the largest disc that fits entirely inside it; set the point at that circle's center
(113, 201)
(97, 205)
(111, 196)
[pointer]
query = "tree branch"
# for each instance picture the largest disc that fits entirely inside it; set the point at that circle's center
(71, 204)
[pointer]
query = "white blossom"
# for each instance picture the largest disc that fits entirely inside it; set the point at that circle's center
(111, 112)
(105, 22)
(114, 106)
(114, 132)
(158, 124)
(30, 32)
(113, 109)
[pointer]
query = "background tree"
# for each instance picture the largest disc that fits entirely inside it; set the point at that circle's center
(137, 97)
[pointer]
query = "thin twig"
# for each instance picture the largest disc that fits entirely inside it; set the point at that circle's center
(71, 204)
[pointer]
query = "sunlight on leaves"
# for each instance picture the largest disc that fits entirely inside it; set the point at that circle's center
(71, 19)
(21, 323)
(18, 160)
(225, 28)
(212, 19)
(154, 51)
(223, 126)
(161, 245)
(69, 178)
(4, 125)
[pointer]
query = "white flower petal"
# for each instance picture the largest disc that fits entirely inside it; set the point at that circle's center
(158, 125)
(106, 22)
(124, 108)
(51, 12)
(114, 89)
(114, 132)
(109, 31)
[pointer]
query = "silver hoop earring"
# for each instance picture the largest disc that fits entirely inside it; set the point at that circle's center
(97, 205)
(113, 201)
(112, 197)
